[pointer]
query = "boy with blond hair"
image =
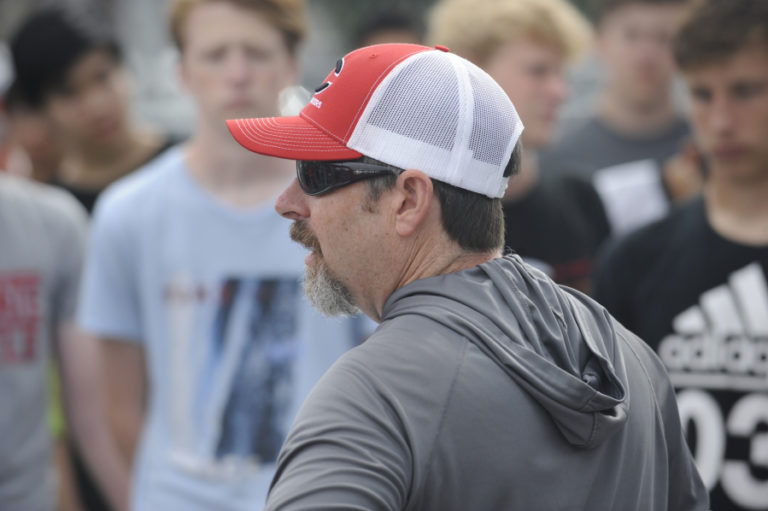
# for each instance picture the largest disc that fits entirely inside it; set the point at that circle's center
(192, 284)
(555, 222)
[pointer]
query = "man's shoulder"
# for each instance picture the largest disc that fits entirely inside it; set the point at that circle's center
(400, 364)
(406, 341)
(410, 344)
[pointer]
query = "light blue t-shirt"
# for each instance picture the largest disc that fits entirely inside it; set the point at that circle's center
(232, 344)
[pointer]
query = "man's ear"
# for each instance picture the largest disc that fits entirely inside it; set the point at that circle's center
(415, 201)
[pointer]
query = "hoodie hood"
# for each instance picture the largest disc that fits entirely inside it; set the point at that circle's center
(554, 342)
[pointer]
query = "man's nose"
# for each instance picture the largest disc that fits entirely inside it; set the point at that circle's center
(292, 203)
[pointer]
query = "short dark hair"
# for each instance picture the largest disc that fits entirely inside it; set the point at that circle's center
(14, 101)
(390, 19)
(49, 44)
(473, 220)
(599, 9)
(716, 30)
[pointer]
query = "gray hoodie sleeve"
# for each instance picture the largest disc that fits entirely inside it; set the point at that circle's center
(346, 450)
(686, 490)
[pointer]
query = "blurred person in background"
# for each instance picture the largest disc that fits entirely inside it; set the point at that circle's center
(637, 127)
(554, 221)
(71, 71)
(693, 285)
(69, 80)
(34, 150)
(42, 233)
(192, 285)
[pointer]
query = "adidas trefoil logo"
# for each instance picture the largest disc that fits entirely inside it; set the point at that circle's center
(722, 343)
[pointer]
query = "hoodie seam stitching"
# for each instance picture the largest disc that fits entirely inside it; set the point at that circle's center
(645, 371)
(448, 396)
(648, 378)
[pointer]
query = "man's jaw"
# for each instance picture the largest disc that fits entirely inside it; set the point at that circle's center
(323, 289)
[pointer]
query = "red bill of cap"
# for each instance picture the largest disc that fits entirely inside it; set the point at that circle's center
(323, 127)
(292, 138)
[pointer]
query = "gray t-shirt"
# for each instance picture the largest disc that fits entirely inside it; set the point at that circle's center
(626, 171)
(42, 237)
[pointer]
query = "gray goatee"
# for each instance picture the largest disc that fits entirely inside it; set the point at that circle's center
(325, 292)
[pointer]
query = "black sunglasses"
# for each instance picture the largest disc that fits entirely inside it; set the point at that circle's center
(319, 177)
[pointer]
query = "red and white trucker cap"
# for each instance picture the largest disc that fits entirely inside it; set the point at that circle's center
(407, 105)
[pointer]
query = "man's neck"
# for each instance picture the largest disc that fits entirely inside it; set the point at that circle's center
(233, 174)
(738, 211)
(635, 119)
(433, 253)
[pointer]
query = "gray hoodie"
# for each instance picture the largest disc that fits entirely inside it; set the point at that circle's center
(491, 388)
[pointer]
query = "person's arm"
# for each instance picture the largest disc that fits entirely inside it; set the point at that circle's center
(84, 400)
(68, 498)
(125, 386)
(104, 302)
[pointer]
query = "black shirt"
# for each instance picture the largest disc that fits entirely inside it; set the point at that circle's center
(561, 223)
(701, 301)
(87, 196)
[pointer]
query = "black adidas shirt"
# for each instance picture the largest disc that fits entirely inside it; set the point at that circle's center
(701, 301)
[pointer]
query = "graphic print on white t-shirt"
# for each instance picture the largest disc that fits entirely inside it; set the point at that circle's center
(233, 382)
(720, 350)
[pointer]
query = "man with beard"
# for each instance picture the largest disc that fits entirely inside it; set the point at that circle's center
(193, 288)
(486, 385)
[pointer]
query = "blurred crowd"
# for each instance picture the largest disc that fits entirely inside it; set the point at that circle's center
(154, 340)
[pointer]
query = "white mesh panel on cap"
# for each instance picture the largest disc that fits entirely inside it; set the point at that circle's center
(441, 114)
(491, 126)
(409, 105)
